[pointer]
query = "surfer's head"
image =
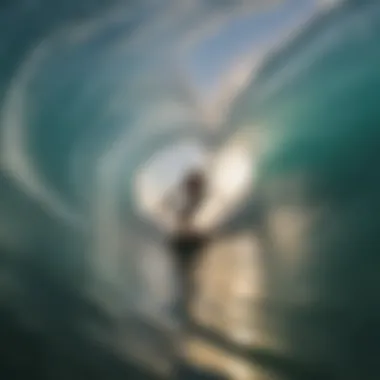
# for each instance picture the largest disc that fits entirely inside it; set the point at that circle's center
(194, 182)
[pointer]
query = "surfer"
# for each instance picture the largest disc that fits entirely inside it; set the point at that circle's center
(186, 242)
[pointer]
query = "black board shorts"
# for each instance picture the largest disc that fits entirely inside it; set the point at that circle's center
(186, 249)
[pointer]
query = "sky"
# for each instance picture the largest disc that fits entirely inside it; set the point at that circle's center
(249, 34)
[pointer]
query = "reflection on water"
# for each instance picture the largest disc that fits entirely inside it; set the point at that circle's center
(228, 284)
(211, 357)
